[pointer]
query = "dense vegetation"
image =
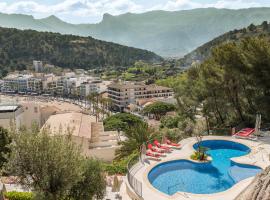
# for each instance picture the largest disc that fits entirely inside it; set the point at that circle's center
(158, 109)
(18, 195)
(121, 122)
(230, 87)
(5, 141)
(141, 71)
(203, 52)
(19, 48)
(53, 168)
(166, 33)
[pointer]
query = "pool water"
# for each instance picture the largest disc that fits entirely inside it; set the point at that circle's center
(204, 178)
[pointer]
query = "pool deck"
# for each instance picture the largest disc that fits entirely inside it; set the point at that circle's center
(258, 156)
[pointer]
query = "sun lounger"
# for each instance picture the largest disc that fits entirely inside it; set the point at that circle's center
(166, 148)
(247, 133)
(155, 149)
(173, 145)
(153, 156)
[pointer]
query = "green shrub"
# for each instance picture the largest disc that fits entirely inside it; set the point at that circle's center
(169, 121)
(118, 166)
(199, 155)
(19, 195)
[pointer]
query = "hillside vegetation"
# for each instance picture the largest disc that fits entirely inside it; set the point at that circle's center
(172, 34)
(204, 51)
(230, 87)
(19, 48)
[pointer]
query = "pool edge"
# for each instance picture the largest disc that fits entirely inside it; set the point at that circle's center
(240, 186)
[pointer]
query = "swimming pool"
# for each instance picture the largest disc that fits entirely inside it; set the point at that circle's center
(204, 178)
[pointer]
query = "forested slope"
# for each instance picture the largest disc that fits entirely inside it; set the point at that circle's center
(167, 33)
(19, 48)
(204, 51)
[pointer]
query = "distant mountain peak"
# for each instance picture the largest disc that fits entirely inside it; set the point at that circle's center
(107, 16)
(52, 18)
(170, 34)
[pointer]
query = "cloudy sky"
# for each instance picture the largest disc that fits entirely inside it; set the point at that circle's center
(91, 11)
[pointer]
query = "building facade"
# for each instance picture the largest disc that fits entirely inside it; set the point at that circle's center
(38, 66)
(66, 86)
(123, 94)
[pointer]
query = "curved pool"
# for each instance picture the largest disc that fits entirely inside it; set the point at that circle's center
(204, 178)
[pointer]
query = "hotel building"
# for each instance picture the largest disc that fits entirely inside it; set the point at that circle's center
(125, 93)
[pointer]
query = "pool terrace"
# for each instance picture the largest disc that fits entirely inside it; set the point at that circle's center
(142, 189)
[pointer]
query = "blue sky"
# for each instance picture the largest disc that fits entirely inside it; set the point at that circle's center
(91, 11)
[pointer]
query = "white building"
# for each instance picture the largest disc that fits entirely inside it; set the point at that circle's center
(87, 88)
(38, 66)
(123, 94)
(11, 114)
(16, 83)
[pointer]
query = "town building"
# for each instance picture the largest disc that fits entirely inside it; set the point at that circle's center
(38, 66)
(16, 83)
(69, 85)
(11, 114)
(87, 88)
(124, 93)
(86, 133)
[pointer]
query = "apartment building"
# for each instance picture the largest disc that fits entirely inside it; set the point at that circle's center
(38, 66)
(124, 93)
(87, 88)
(15, 83)
(35, 85)
(70, 85)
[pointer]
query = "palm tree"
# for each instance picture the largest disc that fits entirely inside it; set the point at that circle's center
(93, 100)
(136, 136)
(103, 106)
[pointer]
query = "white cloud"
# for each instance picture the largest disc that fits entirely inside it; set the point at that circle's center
(235, 4)
(77, 11)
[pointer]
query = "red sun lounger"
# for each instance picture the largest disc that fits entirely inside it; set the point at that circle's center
(172, 144)
(166, 148)
(246, 132)
(154, 149)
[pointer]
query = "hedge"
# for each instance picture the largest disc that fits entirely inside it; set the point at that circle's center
(19, 195)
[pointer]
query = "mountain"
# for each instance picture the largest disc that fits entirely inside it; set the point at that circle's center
(204, 51)
(171, 34)
(19, 48)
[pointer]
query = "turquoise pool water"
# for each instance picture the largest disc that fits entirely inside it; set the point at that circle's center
(204, 178)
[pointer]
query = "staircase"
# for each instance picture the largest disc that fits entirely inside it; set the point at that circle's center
(101, 138)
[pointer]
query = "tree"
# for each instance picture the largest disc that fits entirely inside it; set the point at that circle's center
(121, 122)
(136, 136)
(158, 109)
(169, 121)
(230, 87)
(252, 27)
(5, 141)
(50, 165)
(92, 184)
(265, 26)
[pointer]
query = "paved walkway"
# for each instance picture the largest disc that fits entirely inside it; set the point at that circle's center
(259, 156)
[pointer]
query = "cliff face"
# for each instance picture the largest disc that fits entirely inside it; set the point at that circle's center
(259, 188)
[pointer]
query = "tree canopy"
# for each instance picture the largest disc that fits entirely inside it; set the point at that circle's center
(121, 121)
(5, 140)
(158, 109)
(19, 48)
(135, 137)
(230, 87)
(53, 167)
